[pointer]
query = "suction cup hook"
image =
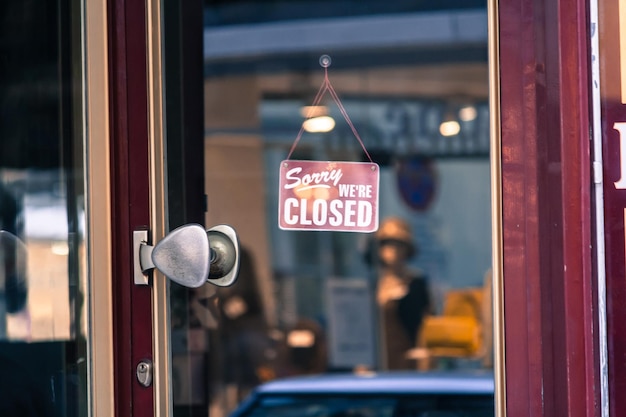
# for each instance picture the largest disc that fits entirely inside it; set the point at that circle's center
(325, 61)
(190, 256)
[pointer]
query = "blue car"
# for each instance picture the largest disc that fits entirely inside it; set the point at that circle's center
(380, 394)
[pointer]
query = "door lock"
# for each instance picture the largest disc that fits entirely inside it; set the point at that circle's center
(144, 372)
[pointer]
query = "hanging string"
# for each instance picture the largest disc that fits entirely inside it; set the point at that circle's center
(327, 87)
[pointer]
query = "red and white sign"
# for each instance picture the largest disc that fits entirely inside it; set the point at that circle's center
(330, 195)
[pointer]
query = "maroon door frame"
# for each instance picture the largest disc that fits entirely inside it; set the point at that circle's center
(548, 264)
(130, 202)
(130, 175)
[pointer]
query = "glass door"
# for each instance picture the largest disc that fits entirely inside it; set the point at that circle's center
(416, 294)
(46, 334)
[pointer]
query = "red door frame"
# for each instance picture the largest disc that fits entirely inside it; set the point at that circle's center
(130, 184)
(130, 174)
(548, 270)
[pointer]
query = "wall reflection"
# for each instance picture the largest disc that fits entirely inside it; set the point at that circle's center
(38, 299)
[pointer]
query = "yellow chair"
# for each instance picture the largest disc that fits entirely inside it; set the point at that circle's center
(463, 330)
(457, 331)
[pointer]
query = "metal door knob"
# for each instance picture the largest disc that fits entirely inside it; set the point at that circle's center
(190, 256)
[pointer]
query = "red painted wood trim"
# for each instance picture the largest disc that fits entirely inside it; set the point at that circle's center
(130, 201)
(119, 199)
(550, 316)
(579, 311)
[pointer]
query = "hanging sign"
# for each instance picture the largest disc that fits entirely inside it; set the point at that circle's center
(332, 195)
(328, 195)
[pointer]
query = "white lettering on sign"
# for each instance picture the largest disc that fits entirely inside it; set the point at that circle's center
(355, 190)
(621, 128)
(314, 178)
(348, 213)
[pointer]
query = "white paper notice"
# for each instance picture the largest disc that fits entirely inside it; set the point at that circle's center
(350, 323)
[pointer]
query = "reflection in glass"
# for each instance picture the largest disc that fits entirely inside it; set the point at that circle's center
(317, 302)
(374, 406)
(340, 292)
(42, 336)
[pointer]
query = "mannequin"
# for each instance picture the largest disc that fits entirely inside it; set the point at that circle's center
(402, 295)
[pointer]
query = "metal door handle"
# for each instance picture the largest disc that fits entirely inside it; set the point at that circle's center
(189, 256)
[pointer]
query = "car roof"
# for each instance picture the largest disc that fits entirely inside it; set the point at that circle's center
(398, 382)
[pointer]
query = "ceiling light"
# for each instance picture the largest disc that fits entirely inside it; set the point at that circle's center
(321, 124)
(449, 125)
(449, 128)
(300, 338)
(467, 113)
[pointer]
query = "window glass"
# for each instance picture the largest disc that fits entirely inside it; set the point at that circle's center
(42, 207)
(414, 295)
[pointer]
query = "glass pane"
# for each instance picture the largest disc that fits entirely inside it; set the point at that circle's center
(413, 296)
(42, 237)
